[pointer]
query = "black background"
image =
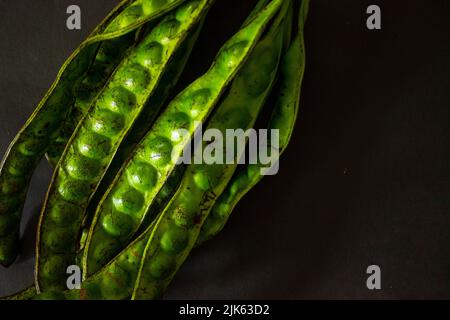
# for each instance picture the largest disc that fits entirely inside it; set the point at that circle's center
(366, 179)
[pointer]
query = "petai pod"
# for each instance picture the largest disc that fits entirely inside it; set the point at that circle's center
(26, 294)
(114, 281)
(149, 113)
(97, 138)
(143, 123)
(41, 129)
(176, 229)
(283, 118)
(124, 207)
(109, 55)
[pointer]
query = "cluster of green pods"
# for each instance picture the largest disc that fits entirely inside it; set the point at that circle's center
(43, 127)
(284, 117)
(109, 55)
(120, 205)
(124, 206)
(92, 146)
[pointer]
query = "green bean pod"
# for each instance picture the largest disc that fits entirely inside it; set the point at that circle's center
(124, 207)
(176, 229)
(97, 138)
(41, 129)
(114, 281)
(94, 81)
(283, 118)
(142, 124)
(26, 294)
(108, 57)
(148, 115)
(103, 284)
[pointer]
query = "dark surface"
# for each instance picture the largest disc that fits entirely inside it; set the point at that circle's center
(366, 179)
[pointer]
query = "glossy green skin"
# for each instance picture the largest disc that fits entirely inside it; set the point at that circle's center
(283, 118)
(103, 284)
(92, 85)
(42, 128)
(111, 282)
(110, 54)
(25, 152)
(141, 126)
(114, 281)
(177, 228)
(124, 206)
(136, 13)
(96, 140)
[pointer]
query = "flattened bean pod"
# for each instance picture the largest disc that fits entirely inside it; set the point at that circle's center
(41, 129)
(176, 229)
(124, 206)
(283, 118)
(93, 145)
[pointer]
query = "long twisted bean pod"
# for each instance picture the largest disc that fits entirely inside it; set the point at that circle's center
(124, 206)
(176, 229)
(97, 138)
(283, 118)
(41, 129)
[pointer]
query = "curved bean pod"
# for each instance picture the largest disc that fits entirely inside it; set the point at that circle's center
(176, 230)
(114, 281)
(142, 124)
(124, 206)
(26, 294)
(108, 283)
(30, 144)
(283, 118)
(108, 57)
(97, 138)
